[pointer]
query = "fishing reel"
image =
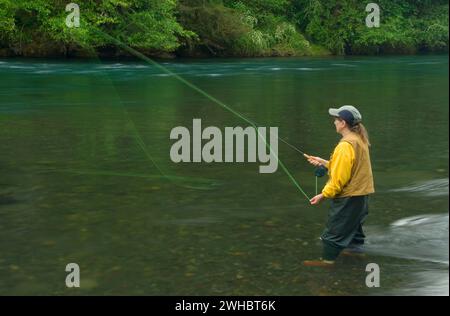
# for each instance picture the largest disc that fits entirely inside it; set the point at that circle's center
(320, 171)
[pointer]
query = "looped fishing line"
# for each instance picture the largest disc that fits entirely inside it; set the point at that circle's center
(203, 184)
(208, 96)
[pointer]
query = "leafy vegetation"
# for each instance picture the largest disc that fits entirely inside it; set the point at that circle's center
(222, 27)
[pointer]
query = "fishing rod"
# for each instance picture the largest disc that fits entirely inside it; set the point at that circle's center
(177, 77)
(169, 72)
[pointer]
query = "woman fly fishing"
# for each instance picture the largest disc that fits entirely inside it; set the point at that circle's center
(349, 184)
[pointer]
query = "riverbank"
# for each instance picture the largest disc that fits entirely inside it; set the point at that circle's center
(227, 28)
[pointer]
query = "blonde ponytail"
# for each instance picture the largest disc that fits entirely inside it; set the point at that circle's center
(362, 132)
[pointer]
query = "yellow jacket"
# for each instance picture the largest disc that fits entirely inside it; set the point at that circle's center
(349, 169)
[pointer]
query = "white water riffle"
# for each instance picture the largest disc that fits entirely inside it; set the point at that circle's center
(424, 238)
(435, 187)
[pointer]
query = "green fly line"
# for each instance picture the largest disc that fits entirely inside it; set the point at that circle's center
(184, 182)
(208, 96)
(316, 184)
(141, 144)
(127, 174)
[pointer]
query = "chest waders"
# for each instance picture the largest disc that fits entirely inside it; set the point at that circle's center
(344, 227)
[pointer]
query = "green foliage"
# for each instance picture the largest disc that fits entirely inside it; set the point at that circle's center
(406, 26)
(223, 27)
(143, 24)
(243, 28)
(217, 26)
(432, 28)
(7, 24)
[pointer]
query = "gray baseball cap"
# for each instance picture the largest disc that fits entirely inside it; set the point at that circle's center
(348, 113)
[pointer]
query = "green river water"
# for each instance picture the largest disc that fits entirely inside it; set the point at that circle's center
(86, 177)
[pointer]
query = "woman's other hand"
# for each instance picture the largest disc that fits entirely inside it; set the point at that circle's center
(316, 200)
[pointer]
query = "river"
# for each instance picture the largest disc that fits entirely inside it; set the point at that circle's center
(86, 176)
